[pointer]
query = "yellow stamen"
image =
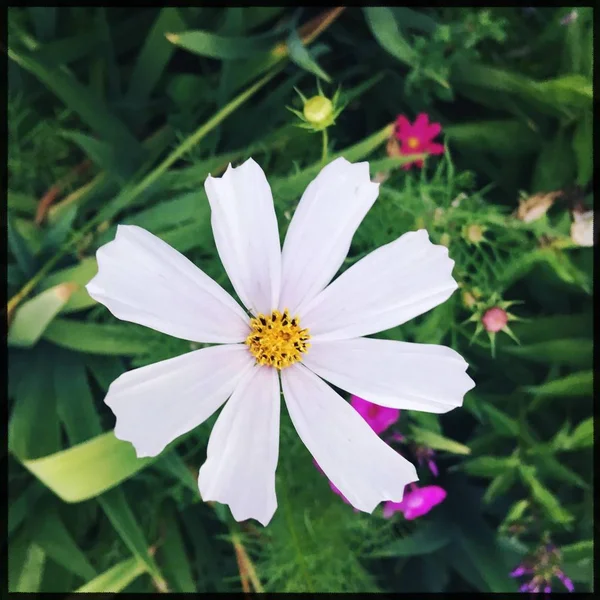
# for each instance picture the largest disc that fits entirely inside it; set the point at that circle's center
(413, 142)
(277, 340)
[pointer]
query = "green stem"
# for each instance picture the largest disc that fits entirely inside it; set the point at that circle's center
(129, 194)
(325, 144)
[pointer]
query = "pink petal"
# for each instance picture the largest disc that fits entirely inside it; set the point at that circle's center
(434, 148)
(433, 129)
(403, 127)
(378, 417)
(390, 508)
(419, 501)
(421, 125)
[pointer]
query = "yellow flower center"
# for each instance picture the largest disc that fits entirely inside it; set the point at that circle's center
(276, 340)
(413, 142)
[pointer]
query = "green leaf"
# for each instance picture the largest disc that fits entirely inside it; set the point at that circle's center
(154, 56)
(75, 403)
(88, 105)
(88, 469)
(103, 154)
(383, 25)
(115, 579)
(571, 352)
(301, 56)
(52, 536)
(18, 548)
(573, 385)
(33, 427)
(33, 317)
(577, 551)
(438, 442)
(428, 538)
(544, 497)
(556, 326)
(552, 469)
(80, 274)
(583, 435)
(494, 137)
(574, 91)
(500, 421)
(173, 213)
(172, 464)
(222, 47)
(21, 507)
(99, 339)
(517, 510)
(105, 369)
(22, 203)
(428, 421)
(19, 248)
(555, 166)
(59, 229)
(583, 148)
(174, 557)
(32, 571)
(474, 550)
(119, 513)
(490, 466)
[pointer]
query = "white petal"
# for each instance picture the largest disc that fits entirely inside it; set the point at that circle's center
(402, 375)
(156, 404)
(361, 465)
(319, 235)
(143, 280)
(388, 287)
(245, 229)
(243, 449)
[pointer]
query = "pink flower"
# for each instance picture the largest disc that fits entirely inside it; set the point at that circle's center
(416, 502)
(494, 319)
(378, 417)
(418, 138)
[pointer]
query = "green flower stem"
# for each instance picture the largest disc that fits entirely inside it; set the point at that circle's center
(325, 144)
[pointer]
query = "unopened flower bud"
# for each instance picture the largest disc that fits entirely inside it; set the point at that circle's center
(445, 239)
(494, 319)
(319, 111)
(468, 299)
(536, 206)
(474, 233)
(582, 228)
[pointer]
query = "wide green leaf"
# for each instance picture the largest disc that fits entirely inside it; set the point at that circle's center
(222, 47)
(80, 274)
(52, 536)
(99, 339)
(573, 385)
(33, 317)
(88, 469)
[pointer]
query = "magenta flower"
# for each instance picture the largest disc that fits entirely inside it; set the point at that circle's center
(542, 567)
(418, 137)
(378, 417)
(416, 502)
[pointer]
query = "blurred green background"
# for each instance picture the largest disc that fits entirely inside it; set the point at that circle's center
(117, 115)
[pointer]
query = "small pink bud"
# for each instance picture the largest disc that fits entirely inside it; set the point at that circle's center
(494, 319)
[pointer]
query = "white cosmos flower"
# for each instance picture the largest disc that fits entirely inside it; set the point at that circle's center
(143, 280)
